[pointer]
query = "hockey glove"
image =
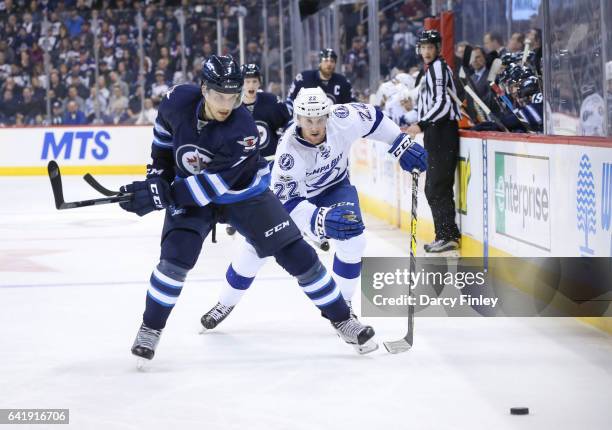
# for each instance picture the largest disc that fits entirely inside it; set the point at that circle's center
(336, 223)
(149, 195)
(410, 154)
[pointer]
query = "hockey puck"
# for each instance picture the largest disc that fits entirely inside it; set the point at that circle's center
(519, 411)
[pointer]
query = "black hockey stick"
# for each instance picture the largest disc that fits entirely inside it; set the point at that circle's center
(98, 186)
(58, 192)
(405, 343)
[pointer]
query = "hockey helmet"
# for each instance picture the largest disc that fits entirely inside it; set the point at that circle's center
(221, 73)
(327, 53)
(429, 36)
(529, 87)
(311, 102)
(251, 71)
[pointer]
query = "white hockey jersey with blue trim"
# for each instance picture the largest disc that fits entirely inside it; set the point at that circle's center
(303, 170)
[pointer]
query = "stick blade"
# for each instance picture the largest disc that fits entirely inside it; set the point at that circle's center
(56, 183)
(397, 346)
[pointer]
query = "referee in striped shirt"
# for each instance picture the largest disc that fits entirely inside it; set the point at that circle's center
(437, 118)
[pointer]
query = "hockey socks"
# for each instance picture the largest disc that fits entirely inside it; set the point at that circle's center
(230, 296)
(346, 276)
(321, 289)
(165, 287)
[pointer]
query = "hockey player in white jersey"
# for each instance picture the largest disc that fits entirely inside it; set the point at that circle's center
(310, 177)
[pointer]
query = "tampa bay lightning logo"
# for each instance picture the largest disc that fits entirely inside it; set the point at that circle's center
(192, 159)
(264, 133)
(286, 161)
(341, 112)
(585, 202)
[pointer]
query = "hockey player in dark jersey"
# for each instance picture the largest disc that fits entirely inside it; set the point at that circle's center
(207, 168)
(336, 86)
(270, 113)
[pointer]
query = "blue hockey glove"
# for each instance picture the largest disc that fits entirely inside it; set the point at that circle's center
(410, 154)
(336, 223)
(149, 195)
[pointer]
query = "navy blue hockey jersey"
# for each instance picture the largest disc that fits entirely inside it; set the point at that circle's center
(271, 116)
(338, 88)
(213, 161)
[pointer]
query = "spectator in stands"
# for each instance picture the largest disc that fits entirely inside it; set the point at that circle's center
(74, 23)
(253, 54)
(159, 87)
(5, 67)
(90, 105)
(73, 115)
(116, 80)
(404, 37)
(8, 107)
(57, 113)
(73, 95)
(414, 10)
(149, 114)
(356, 65)
(38, 91)
(135, 104)
(494, 46)
(117, 105)
(102, 89)
(29, 107)
(57, 86)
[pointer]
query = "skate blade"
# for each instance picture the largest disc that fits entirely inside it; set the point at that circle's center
(366, 348)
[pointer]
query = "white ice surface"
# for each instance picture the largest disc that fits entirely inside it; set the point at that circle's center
(72, 289)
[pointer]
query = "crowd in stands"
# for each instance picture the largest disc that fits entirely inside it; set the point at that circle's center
(76, 89)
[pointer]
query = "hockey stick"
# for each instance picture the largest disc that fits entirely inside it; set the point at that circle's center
(404, 344)
(485, 108)
(98, 186)
(58, 192)
(456, 100)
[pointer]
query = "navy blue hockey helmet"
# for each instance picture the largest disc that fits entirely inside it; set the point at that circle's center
(328, 53)
(221, 73)
(529, 87)
(251, 71)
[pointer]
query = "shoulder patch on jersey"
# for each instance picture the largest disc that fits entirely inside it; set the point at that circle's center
(286, 161)
(341, 112)
(249, 143)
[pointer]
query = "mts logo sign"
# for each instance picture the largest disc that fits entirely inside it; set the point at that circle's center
(70, 145)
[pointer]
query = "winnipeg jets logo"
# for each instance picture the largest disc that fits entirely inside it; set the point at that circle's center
(249, 143)
(192, 159)
(264, 133)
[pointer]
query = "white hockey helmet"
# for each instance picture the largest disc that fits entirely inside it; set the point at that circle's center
(311, 102)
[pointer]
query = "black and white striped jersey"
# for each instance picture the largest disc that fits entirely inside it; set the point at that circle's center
(434, 103)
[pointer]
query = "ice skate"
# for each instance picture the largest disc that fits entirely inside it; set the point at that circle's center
(213, 317)
(441, 245)
(349, 303)
(356, 334)
(145, 343)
